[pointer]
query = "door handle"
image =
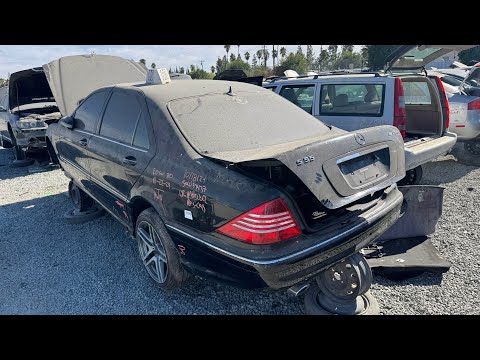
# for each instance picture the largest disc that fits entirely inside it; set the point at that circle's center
(130, 160)
(83, 142)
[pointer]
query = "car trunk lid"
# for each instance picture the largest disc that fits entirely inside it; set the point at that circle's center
(72, 78)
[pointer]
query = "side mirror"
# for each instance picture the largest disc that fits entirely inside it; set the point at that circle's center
(68, 122)
(2, 109)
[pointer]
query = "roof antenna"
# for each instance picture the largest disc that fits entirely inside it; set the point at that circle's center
(230, 92)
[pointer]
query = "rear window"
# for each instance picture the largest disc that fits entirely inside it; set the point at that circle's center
(352, 99)
(416, 93)
(249, 120)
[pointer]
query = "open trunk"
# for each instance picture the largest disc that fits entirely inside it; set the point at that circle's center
(423, 108)
(250, 127)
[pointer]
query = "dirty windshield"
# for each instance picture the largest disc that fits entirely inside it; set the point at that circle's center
(244, 121)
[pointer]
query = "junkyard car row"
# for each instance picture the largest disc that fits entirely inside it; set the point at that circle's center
(231, 181)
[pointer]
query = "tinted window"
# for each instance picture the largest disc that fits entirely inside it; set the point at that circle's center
(416, 93)
(141, 134)
(273, 88)
(352, 99)
(300, 95)
(120, 117)
(450, 80)
(88, 112)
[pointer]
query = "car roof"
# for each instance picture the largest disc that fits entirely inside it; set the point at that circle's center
(323, 76)
(163, 93)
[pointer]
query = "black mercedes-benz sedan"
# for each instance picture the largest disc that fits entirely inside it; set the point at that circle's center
(228, 180)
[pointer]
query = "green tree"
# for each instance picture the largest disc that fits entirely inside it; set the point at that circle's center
(364, 53)
(265, 56)
(322, 60)
(347, 48)
(153, 66)
(197, 73)
(238, 64)
(3, 82)
(470, 56)
(212, 69)
(260, 55)
(254, 60)
(283, 52)
(247, 56)
(294, 61)
(227, 49)
(332, 53)
(377, 55)
(300, 50)
(143, 61)
(232, 57)
(348, 59)
(310, 56)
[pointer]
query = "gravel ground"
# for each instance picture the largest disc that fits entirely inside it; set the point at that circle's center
(49, 267)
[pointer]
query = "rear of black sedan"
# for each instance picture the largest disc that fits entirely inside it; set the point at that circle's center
(243, 186)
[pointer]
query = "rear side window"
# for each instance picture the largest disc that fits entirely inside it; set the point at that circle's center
(121, 116)
(300, 95)
(416, 93)
(88, 112)
(352, 99)
(140, 138)
(273, 88)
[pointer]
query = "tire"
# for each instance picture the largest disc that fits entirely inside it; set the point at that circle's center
(81, 201)
(5, 143)
(412, 177)
(313, 307)
(158, 252)
(74, 217)
(472, 146)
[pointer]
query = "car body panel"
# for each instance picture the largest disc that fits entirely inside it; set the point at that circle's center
(72, 78)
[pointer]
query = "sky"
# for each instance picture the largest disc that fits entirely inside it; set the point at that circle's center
(20, 57)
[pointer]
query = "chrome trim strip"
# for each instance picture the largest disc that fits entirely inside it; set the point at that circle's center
(373, 218)
(113, 141)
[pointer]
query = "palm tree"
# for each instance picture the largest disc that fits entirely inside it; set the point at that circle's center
(283, 52)
(227, 49)
(212, 69)
(247, 56)
(266, 55)
(143, 61)
(153, 66)
(260, 56)
(274, 55)
(238, 51)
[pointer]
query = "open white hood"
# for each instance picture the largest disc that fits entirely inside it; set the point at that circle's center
(72, 78)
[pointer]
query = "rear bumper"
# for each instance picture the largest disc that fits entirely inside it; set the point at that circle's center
(305, 258)
(469, 129)
(419, 152)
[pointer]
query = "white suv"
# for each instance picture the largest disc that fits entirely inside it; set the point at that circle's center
(402, 96)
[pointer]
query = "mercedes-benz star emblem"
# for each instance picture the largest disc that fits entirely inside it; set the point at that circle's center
(360, 139)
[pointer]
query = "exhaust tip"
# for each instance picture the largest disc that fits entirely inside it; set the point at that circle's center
(298, 289)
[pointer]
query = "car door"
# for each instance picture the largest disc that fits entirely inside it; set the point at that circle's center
(302, 95)
(121, 150)
(73, 146)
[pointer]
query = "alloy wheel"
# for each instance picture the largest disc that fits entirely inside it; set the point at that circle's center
(152, 252)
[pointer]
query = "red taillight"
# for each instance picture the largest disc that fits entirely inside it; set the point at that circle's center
(444, 101)
(266, 224)
(400, 115)
(474, 105)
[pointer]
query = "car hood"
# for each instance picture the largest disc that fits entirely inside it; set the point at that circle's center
(72, 78)
(415, 57)
(29, 87)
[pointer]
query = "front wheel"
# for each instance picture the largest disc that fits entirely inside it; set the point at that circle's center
(157, 251)
(472, 146)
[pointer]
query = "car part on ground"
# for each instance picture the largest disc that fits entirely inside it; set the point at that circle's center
(342, 289)
(76, 217)
(473, 146)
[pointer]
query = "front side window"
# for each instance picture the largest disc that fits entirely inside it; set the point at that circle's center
(87, 114)
(121, 116)
(352, 99)
(300, 95)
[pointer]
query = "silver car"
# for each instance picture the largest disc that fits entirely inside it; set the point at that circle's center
(463, 91)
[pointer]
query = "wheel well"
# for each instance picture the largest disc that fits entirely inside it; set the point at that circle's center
(139, 204)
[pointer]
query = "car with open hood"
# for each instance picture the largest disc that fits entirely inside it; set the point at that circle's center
(402, 95)
(31, 102)
(227, 180)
